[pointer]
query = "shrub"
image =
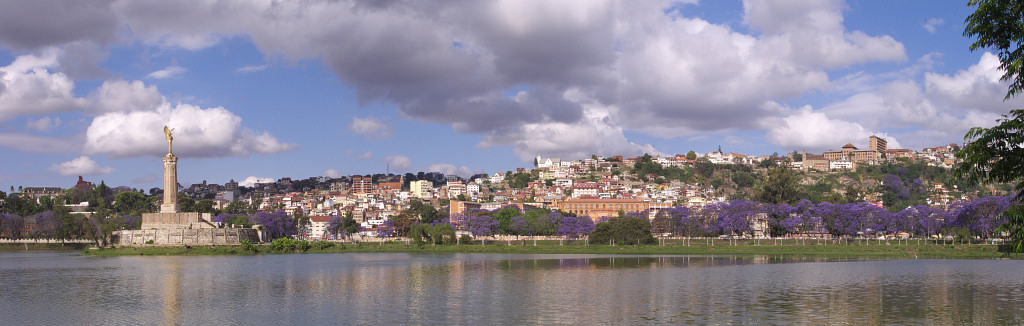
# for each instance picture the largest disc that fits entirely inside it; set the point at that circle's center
(150, 241)
(630, 230)
(466, 239)
(321, 245)
(248, 246)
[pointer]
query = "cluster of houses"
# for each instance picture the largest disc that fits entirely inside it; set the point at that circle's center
(596, 187)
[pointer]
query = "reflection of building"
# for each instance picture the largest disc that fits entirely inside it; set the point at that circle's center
(596, 208)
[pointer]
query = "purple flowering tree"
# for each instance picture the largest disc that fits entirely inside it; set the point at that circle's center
(736, 217)
(573, 227)
(386, 229)
(277, 224)
(10, 226)
(46, 225)
(483, 225)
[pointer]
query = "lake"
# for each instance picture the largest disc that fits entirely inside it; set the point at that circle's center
(50, 288)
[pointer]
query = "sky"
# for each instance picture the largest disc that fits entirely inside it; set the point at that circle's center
(260, 90)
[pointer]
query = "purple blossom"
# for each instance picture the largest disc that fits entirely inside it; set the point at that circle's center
(10, 226)
(386, 229)
(277, 224)
(572, 227)
(483, 225)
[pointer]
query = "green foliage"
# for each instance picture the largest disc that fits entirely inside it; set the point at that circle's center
(132, 203)
(691, 155)
(432, 234)
(150, 241)
(628, 230)
(780, 187)
(995, 154)
(283, 245)
(1014, 227)
(465, 239)
(322, 244)
(519, 180)
(248, 246)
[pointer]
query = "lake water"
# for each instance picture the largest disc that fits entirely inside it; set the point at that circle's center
(62, 288)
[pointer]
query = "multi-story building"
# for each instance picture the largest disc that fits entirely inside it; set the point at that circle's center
(585, 189)
(318, 226)
(597, 208)
(362, 184)
(877, 144)
(36, 192)
(421, 189)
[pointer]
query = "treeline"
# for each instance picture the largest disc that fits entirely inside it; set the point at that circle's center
(62, 224)
(978, 218)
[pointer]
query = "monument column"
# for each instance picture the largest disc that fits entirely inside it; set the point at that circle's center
(170, 204)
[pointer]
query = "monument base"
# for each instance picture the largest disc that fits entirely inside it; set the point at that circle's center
(169, 208)
(183, 237)
(177, 221)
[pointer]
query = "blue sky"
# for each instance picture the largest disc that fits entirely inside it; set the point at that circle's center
(257, 90)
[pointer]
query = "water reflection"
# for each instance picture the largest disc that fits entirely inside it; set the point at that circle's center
(513, 289)
(172, 292)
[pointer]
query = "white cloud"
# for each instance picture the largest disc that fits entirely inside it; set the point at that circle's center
(213, 132)
(27, 87)
(932, 23)
(44, 124)
(252, 180)
(171, 71)
(332, 173)
(596, 134)
(978, 87)
(398, 163)
(450, 63)
(82, 165)
(449, 169)
(248, 69)
(125, 96)
(365, 155)
(371, 128)
(814, 131)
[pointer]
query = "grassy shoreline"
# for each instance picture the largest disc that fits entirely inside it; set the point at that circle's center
(9, 247)
(881, 251)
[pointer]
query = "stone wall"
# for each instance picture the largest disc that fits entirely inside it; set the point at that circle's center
(176, 220)
(186, 236)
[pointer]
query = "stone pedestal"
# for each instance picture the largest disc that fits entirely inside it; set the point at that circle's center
(170, 204)
(177, 221)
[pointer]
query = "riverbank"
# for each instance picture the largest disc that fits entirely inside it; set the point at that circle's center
(7, 247)
(873, 250)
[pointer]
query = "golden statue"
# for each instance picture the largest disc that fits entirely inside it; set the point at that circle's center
(167, 133)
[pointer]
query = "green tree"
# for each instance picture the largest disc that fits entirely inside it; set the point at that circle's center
(781, 186)
(691, 155)
(995, 154)
(625, 229)
(186, 203)
(132, 203)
